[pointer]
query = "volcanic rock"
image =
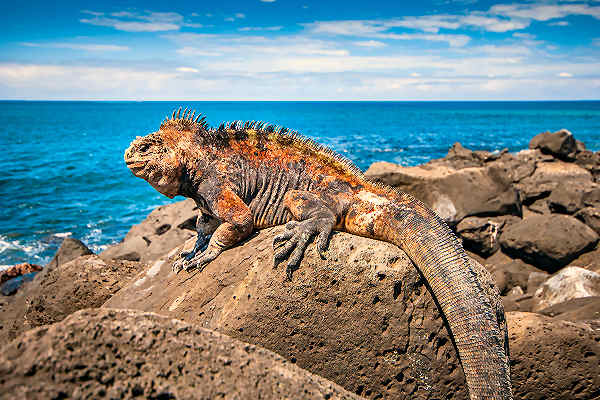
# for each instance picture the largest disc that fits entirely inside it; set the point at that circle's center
(87, 281)
(125, 354)
(550, 175)
(591, 217)
(164, 228)
(553, 359)
(70, 249)
(18, 270)
(560, 144)
(363, 318)
(480, 235)
(548, 241)
(453, 194)
(579, 309)
(569, 283)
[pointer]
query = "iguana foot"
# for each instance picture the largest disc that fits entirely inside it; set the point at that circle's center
(198, 261)
(292, 243)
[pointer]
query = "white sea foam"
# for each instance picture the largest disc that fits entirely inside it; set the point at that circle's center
(63, 234)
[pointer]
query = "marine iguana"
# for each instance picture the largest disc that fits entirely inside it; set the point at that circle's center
(247, 175)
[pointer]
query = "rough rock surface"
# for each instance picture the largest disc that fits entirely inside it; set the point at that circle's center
(589, 260)
(512, 274)
(166, 227)
(87, 281)
(362, 318)
(550, 175)
(553, 359)
(580, 309)
(452, 194)
(125, 354)
(18, 270)
(69, 249)
(480, 235)
(569, 283)
(591, 217)
(560, 144)
(548, 241)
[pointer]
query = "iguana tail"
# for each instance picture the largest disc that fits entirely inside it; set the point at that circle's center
(475, 317)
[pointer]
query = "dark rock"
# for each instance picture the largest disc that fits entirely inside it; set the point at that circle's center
(363, 318)
(550, 175)
(480, 235)
(11, 286)
(548, 241)
(512, 274)
(568, 199)
(126, 354)
(519, 302)
(579, 309)
(590, 216)
(590, 161)
(54, 293)
(560, 144)
(18, 270)
(553, 359)
(540, 206)
(165, 228)
(453, 194)
(69, 250)
(579, 146)
(567, 284)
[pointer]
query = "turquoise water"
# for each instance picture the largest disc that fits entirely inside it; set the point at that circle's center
(62, 170)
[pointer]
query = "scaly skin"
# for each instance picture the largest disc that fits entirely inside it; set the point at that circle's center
(251, 176)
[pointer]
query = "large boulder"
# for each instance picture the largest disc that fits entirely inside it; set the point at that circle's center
(548, 241)
(125, 354)
(164, 228)
(453, 194)
(363, 318)
(553, 359)
(560, 144)
(568, 199)
(87, 281)
(569, 283)
(512, 274)
(549, 176)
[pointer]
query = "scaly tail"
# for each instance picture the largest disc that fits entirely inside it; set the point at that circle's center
(476, 319)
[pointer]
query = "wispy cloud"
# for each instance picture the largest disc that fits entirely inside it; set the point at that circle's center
(139, 22)
(77, 46)
(235, 17)
(260, 28)
(543, 11)
(369, 43)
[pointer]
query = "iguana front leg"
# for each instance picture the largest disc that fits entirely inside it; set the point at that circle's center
(314, 218)
(236, 225)
(206, 225)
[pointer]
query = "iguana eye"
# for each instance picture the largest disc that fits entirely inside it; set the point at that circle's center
(144, 147)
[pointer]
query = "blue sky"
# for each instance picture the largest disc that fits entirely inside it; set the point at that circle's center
(300, 50)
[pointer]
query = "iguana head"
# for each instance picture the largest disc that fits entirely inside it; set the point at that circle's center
(158, 157)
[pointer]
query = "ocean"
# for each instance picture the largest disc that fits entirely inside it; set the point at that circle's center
(62, 171)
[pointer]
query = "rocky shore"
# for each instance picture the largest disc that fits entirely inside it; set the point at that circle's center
(360, 324)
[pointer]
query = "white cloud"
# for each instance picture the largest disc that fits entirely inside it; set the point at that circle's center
(544, 12)
(565, 75)
(77, 46)
(260, 28)
(559, 23)
(523, 35)
(136, 22)
(369, 43)
(187, 69)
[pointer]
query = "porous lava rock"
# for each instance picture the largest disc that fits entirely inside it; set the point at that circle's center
(117, 354)
(361, 318)
(552, 358)
(54, 293)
